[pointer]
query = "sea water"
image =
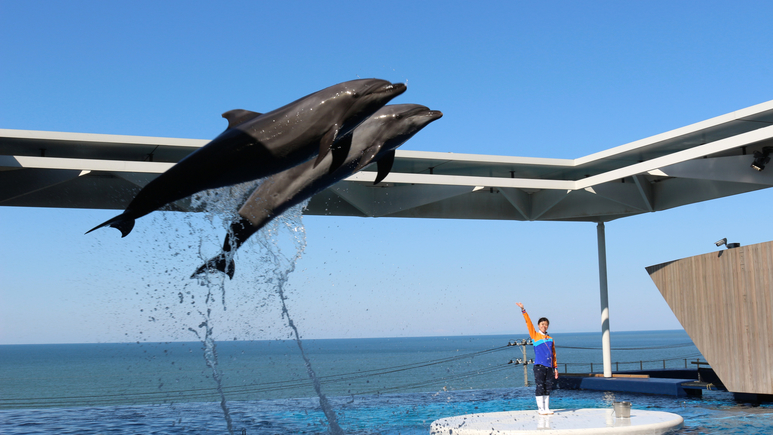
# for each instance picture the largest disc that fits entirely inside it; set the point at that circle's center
(380, 385)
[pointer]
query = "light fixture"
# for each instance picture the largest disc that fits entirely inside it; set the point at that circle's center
(761, 158)
(727, 245)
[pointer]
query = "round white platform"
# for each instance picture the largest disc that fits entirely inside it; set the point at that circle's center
(564, 421)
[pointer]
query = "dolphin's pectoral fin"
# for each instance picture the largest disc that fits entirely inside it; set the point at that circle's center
(326, 143)
(367, 157)
(223, 263)
(384, 166)
(121, 222)
(238, 116)
(340, 152)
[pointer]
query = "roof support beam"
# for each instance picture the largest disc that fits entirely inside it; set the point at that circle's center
(138, 179)
(376, 202)
(733, 169)
(544, 200)
(18, 183)
(676, 192)
(519, 199)
(621, 193)
(645, 191)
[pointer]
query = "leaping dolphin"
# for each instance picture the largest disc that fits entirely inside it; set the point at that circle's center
(257, 145)
(375, 140)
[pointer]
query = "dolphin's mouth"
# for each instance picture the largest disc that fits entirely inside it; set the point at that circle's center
(389, 88)
(424, 111)
(434, 114)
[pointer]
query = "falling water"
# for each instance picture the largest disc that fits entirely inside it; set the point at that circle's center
(218, 203)
(223, 203)
(210, 356)
(282, 277)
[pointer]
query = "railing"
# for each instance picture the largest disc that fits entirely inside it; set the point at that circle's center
(633, 365)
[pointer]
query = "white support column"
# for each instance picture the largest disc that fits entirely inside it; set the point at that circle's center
(606, 346)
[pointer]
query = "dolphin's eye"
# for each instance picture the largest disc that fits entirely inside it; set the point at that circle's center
(354, 94)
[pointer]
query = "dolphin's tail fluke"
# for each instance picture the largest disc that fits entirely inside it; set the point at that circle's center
(220, 263)
(240, 231)
(123, 223)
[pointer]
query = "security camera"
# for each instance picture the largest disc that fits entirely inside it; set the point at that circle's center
(721, 242)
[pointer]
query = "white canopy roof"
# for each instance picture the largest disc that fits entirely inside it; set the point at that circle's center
(699, 162)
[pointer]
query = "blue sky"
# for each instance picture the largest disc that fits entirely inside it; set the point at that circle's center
(538, 79)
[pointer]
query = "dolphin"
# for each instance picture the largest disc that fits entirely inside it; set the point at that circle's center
(256, 145)
(375, 140)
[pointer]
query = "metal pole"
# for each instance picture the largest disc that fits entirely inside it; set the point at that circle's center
(525, 371)
(606, 346)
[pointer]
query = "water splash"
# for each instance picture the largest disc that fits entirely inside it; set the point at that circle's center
(150, 273)
(220, 206)
(224, 205)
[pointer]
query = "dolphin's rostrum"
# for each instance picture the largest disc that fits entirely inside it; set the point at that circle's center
(258, 145)
(375, 140)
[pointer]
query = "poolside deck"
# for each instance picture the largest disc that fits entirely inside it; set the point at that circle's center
(679, 383)
(669, 387)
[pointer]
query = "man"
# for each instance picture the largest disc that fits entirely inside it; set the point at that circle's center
(544, 360)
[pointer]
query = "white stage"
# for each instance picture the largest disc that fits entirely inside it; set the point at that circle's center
(564, 421)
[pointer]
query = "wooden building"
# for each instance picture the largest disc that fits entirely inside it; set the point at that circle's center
(724, 300)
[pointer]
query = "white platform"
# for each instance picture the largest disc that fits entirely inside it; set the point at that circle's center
(564, 421)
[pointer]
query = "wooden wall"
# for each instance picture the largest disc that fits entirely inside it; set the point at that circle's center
(724, 300)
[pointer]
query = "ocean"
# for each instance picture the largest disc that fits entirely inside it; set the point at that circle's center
(373, 386)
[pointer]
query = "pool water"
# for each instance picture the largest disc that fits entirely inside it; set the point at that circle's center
(408, 413)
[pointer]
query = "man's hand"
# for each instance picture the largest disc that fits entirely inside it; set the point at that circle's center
(556, 373)
(520, 305)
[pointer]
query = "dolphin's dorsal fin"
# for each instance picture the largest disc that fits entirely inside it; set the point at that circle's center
(238, 116)
(384, 166)
(325, 143)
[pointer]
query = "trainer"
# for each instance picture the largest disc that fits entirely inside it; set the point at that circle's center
(545, 365)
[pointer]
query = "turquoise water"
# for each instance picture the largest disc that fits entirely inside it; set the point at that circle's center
(385, 386)
(383, 414)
